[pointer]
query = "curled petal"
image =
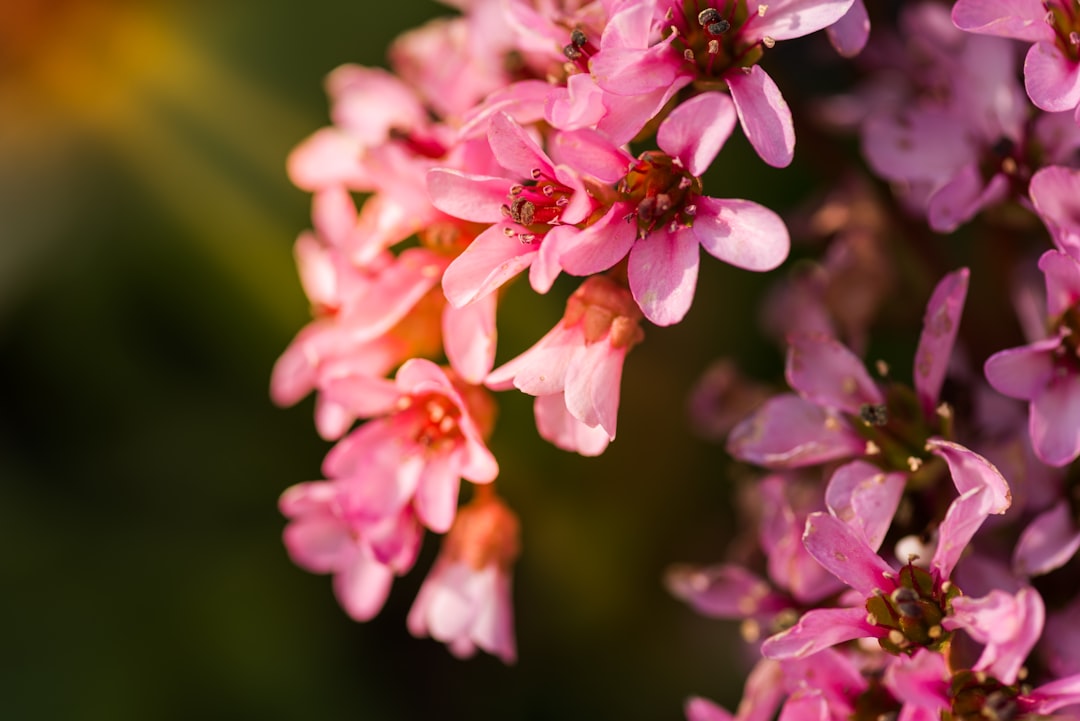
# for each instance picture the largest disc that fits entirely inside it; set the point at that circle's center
(940, 323)
(1052, 79)
(838, 548)
(819, 629)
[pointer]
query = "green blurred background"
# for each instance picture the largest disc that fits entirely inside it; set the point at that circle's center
(146, 288)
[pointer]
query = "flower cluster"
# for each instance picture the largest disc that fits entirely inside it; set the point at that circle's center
(578, 138)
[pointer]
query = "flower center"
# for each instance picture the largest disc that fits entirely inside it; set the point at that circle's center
(712, 40)
(435, 418)
(913, 612)
(977, 697)
(662, 190)
(537, 207)
(1064, 17)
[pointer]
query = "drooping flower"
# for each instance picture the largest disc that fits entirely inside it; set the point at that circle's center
(465, 600)
(581, 358)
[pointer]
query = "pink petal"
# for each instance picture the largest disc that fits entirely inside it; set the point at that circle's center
(627, 114)
(363, 586)
(579, 105)
(787, 19)
(1054, 695)
(970, 470)
(1048, 542)
(600, 245)
(555, 425)
(1022, 372)
(1052, 80)
(396, 291)
(805, 705)
(545, 267)
(742, 233)
(940, 324)
(364, 396)
(437, 491)
(1062, 281)
(328, 157)
(921, 680)
(514, 148)
(696, 129)
(469, 338)
(541, 370)
(477, 198)
(488, 262)
(1019, 19)
(725, 591)
(917, 144)
(663, 271)
(850, 33)
(592, 385)
(961, 199)
(791, 432)
(1055, 193)
(697, 708)
(819, 629)
(1055, 420)
(318, 544)
(493, 627)
(1009, 626)
(824, 371)
(592, 154)
(841, 550)
(865, 498)
(764, 115)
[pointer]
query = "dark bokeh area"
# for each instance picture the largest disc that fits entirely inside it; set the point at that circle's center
(146, 288)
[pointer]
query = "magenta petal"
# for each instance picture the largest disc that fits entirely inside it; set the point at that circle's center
(1052, 79)
(850, 33)
(791, 432)
(764, 115)
(940, 323)
(819, 629)
(961, 199)
(695, 130)
(1054, 695)
(697, 708)
(663, 271)
(478, 198)
(1008, 625)
(841, 550)
(726, 591)
(1055, 193)
(489, 261)
(742, 233)
(823, 370)
(1022, 372)
(1048, 542)
(1055, 420)
(865, 498)
(1019, 19)
(600, 245)
(921, 680)
(805, 704)
(970, 470)
(1062, 281)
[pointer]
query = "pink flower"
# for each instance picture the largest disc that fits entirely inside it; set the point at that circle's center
(657, 44)
(1008, 626)
(1055, 193)
(661, 217)
(1052, 66)
(424, 437)
(1046, 373)
(326, 535)
(840, 412)
(529, 221)
(465, 600)
(582, 357)
(904, 609)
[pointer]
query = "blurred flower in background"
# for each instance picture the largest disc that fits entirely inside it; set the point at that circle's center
(147, 285)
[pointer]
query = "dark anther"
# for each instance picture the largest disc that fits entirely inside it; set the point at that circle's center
(578, 38)
(708, 16)
(1004, 147)
(719, 27)
(571, 52)
(522, 211)
(999, 707)
(873, 414)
